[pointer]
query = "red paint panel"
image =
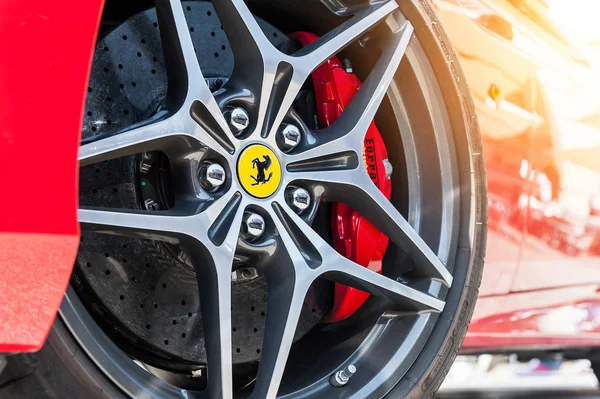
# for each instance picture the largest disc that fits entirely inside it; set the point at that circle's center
(34, 271)
(482, 343)
(554, 318)
(44, 65)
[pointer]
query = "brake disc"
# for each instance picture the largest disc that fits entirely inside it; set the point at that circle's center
(143, 293)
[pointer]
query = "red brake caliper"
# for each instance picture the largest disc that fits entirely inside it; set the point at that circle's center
(353, 236)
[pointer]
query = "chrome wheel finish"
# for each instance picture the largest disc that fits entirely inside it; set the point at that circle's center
(212, 176)
(238, 120)
(299, 199)
(331, 163)
(288, 137)
(253, 226)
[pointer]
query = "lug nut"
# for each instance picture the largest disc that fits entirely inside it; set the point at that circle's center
(146, 163)
(238, 120)
(299, 199)
(288, 137)
(151, 205)
(340, 378)
(212, 176)
(253, 226)
(387, 166)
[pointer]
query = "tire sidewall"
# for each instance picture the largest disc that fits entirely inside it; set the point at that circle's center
(430, 368)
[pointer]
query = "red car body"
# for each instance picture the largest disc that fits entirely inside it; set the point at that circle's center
(541, 283)
(44, 65)
(538, 110)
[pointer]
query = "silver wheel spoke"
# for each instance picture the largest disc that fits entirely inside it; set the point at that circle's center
(162, 226)
(244, 34)
(214, 280)
(184, 72)
(356, 189)
(283, 311)
(215, 298)
(344, 179)
(348, 131)
(289, 279)
(344, 271)
(149, 136)
(359, 114)
(218, 211)
(334, 41)
(256, 59)
(337, 267)
(180, 57)
(175, 136)
(382, 213)
(310, 57)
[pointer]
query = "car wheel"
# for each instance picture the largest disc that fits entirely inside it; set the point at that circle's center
(202, 272)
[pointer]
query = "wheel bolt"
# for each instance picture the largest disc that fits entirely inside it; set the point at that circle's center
(299, 199)
(288, 137)
(238, 120)
(146, 163)
(389, 169)
(253, 226)
(212, 176)
(341, 378)
(151, 205)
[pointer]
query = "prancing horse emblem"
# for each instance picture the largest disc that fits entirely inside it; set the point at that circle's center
(261, 168)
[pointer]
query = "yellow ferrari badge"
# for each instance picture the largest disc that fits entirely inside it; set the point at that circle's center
(259, 171)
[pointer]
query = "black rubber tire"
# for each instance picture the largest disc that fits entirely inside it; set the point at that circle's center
(63, 370)
(429, 371)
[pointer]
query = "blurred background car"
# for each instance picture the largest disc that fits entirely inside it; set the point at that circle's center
(532, 66)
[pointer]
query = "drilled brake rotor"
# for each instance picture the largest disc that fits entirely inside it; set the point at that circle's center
(143, 293)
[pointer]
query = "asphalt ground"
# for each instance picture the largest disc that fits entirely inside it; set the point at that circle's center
(482, 377)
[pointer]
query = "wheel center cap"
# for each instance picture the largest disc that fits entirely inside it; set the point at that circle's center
(259, 171)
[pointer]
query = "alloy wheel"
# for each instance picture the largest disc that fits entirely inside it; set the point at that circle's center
(224, 209)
